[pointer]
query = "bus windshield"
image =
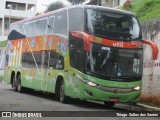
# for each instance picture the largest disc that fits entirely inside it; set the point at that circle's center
(114, 63)
(113, 25)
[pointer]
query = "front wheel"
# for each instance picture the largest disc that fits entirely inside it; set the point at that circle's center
(63, 98)
(109, 104)
(19, 86)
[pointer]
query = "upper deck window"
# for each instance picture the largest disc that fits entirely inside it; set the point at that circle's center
(35, 28)
(113, 25)
(76, 19)
(16, 32)
(60, 24)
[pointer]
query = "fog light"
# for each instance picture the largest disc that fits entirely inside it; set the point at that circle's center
(137, 88)
(89, 92)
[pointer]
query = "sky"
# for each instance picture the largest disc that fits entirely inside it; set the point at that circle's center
(42, 4)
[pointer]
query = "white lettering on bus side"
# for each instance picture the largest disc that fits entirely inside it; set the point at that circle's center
(118, 44)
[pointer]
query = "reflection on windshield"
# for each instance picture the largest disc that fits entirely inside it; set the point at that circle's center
(114, 62)
(94, 61)
(113, 25)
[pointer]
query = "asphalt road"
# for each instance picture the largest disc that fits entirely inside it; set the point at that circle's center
(38, 101)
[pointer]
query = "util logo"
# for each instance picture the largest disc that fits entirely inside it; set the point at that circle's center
(118, 44)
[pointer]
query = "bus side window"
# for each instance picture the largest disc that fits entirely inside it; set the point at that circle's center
(76, 53)
(76, 19)
(35, 28)
(29, 62)
(60, 24)
(51, 25)
(45, 55)
(56, 60)
(16, 32)
(7, 59)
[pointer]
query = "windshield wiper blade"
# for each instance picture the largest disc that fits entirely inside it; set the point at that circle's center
(103, 74)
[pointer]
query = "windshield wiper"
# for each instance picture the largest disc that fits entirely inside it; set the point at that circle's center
(102, 74)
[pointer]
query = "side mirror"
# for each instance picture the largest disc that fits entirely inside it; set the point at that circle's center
(155, 50)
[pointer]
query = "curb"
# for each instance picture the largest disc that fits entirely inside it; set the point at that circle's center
(149, 107)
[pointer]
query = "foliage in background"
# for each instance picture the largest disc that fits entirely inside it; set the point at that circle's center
(3, 43)
(145, 9)
(55, 6)
(1, 78)
(75, 2)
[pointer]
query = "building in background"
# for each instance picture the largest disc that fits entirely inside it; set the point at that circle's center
(110, 3)
(12, 11)
(121, 2)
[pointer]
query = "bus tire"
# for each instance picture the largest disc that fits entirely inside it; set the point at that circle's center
(62, 97)
(109, 104)
(14, 84)
(20, 89)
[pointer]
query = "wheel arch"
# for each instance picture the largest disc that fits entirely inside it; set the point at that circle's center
(18, 73)
(59, 79)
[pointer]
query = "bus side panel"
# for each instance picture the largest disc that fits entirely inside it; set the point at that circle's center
(7, 74)
(29, 80)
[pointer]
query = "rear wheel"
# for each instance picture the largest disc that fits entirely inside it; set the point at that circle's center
(14, 84)
(62, 97)
(109, 104)
(19, 86)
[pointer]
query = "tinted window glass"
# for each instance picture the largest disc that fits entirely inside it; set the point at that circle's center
(76, 53)
(60, 24)
(76, 19)
(7, 59)
(51, 25)
(54, 60)
(28, 60)
(113, 25)
(17, 32)
(36, 28)
(45, 55)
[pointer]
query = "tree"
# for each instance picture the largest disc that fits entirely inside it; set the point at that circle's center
(55, 6)
(88, 2)
(75, 2)
(94, 2)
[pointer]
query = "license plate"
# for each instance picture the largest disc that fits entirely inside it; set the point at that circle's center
(114, 99)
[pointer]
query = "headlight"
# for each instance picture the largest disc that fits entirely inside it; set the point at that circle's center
(137, 88)
(87, 82)
(92, 84)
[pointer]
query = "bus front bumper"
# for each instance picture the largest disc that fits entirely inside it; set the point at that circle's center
(101, 93)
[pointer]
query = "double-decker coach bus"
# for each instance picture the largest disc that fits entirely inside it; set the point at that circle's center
(85, 52)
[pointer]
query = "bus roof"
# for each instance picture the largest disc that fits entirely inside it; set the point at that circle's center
(75, 6)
